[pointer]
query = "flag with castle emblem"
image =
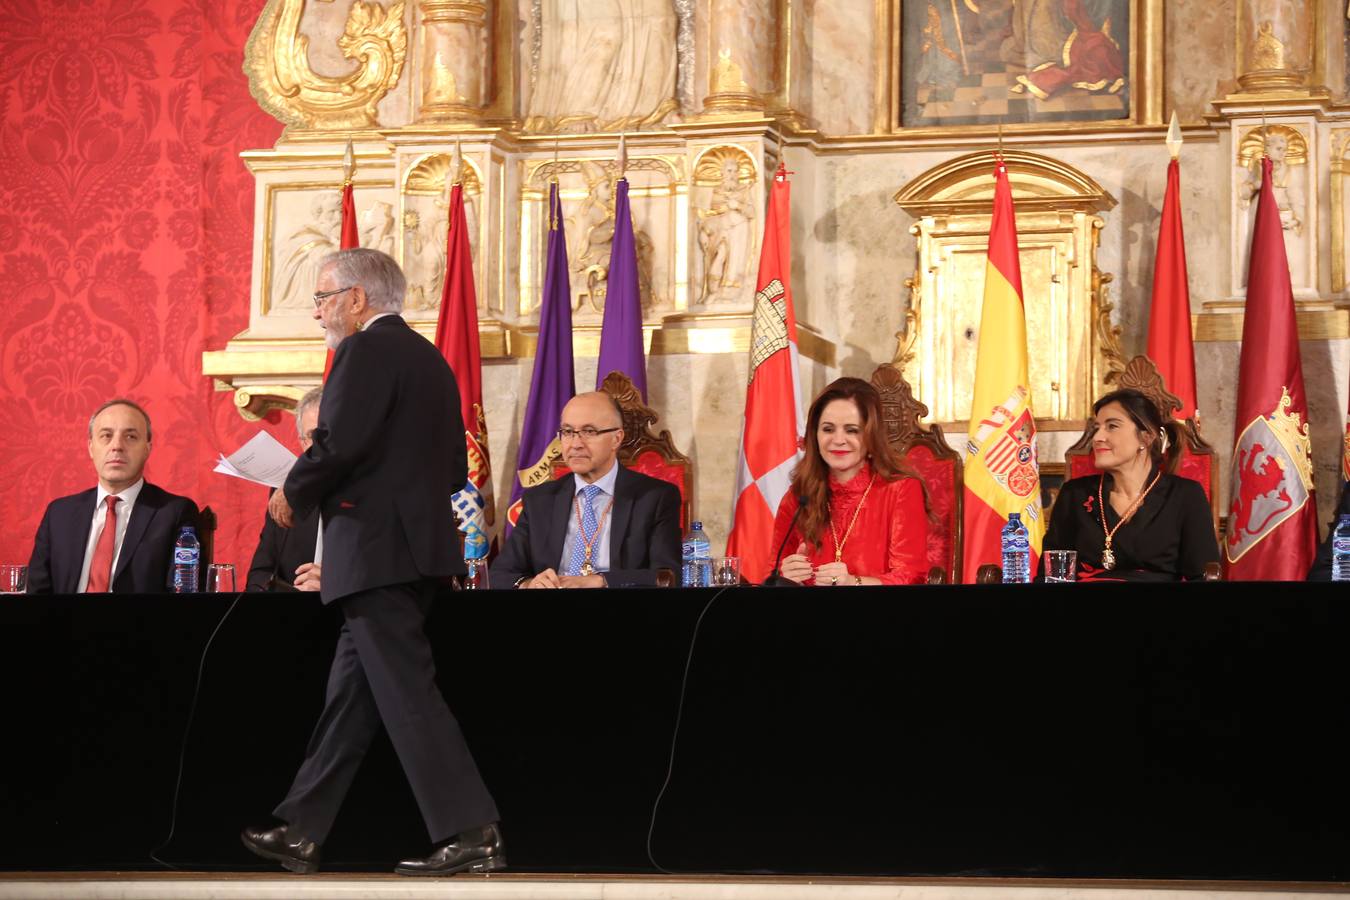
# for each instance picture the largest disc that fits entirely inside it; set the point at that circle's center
(457, 339)
(1002, 472)
(772, 434)
(1272, 510)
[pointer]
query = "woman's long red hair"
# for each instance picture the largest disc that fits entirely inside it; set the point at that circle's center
(811, 478)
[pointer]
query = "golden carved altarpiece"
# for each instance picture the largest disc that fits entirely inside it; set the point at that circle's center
(1073, 347)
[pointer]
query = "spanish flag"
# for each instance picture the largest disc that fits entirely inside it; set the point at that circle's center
(1002, 474)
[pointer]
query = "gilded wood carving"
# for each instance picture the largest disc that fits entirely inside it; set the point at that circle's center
(276, 60)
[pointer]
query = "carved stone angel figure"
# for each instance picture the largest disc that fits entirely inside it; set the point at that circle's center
(298, 258)
(725, 234)
(1285, 183)
(604, 65)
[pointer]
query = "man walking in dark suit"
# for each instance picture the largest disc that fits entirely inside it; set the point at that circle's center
(604, 526)
(386, 457)
(118, 536)
(288, 558)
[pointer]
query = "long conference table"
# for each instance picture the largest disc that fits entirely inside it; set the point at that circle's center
(1189, 731)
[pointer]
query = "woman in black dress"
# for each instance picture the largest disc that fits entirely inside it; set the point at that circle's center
(1134, 521)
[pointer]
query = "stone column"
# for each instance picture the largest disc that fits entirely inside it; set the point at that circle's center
(455, 49)
(1275, 44)
(741, 47)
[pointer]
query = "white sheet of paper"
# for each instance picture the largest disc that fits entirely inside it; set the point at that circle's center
(263, 460)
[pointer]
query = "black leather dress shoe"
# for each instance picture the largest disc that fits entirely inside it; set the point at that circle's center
(475, 850)
(294, 853)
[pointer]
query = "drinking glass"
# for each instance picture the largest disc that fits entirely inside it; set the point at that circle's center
(475, 575)
(726, 571)
(1061, 566)
(13, 579)
(220, 578)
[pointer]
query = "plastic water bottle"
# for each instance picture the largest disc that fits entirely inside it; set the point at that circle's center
(187, 561)
(475, 560)
(1340, 550)
(697, 553)
(1016, 551)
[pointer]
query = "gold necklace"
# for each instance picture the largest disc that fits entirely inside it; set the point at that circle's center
(838, 544)
(1109, 557)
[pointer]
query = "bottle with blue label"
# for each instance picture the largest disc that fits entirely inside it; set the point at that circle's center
(1340, 550)
(187, 557)
(1016, 551)
(475, 559)
(697, 558)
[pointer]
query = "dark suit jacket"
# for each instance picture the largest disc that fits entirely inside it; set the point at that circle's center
(145, 565)
(1321, 567)
(644, 532)
(281, 551)
(387, 456)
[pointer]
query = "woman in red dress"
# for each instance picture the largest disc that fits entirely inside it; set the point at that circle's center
(862, 517)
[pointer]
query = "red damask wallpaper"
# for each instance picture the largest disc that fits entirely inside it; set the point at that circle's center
(126, 222)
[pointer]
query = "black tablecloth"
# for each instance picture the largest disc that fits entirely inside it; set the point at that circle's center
(1162, 731)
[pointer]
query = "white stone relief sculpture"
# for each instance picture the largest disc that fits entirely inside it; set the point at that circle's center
(426, 227)
(723, 198)
(603, 65)
(299, 252)
(1288, 152)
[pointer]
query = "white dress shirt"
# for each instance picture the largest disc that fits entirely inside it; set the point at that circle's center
(600, 549)
(126, 503)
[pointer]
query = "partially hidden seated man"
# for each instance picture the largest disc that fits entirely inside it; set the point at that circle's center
(603, 526)
(291, 558)
(118, 536)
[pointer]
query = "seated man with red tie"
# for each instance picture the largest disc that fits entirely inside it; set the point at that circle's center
(118, 536)
(605, 526)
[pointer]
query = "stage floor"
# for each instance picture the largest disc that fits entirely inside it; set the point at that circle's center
(254, 886)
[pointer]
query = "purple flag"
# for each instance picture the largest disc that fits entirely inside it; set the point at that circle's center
(621, 334)
(554, 381)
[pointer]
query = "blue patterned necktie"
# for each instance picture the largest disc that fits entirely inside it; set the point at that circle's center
(587, 533)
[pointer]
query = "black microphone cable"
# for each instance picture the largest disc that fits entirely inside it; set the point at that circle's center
(187, 733)
(675, 735)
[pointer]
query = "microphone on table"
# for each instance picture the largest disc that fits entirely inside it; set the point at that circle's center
(775, 579)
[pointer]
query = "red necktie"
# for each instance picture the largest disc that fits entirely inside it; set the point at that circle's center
(100, 567)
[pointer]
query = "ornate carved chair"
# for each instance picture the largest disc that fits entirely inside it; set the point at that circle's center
(940, 467)
(646, 452)
(1197, 459)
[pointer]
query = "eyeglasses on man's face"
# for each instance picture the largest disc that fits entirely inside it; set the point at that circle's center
(586, 434)
(320, 296)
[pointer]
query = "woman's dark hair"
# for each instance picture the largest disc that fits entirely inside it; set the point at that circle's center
(811, 478)
(1146, 417)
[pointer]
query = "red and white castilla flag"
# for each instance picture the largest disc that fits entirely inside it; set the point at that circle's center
(1169, 321)
(772, 437)
(1272, 510)
(457, 339)
(1002, 470)
(348, 237)
(1345, 449)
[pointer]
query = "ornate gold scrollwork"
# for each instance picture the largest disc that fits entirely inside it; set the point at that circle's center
(276, 60)
(1108, 334)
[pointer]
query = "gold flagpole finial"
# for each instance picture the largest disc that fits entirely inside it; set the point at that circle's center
(348, 164)
(1264, 129)
(456, 165)
(1174, 137)
(623, 155)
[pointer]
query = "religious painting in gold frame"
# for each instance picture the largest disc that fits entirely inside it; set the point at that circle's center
(1047, 65)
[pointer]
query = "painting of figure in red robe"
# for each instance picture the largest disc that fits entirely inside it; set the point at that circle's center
(971, 62)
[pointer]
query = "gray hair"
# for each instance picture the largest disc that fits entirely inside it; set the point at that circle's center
(311, 399)
(377, 273)
(121, 401)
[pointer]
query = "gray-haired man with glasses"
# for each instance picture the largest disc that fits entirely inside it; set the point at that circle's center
(603, 526)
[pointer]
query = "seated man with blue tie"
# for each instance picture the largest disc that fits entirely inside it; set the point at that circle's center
(605, 525)
(118, 536)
